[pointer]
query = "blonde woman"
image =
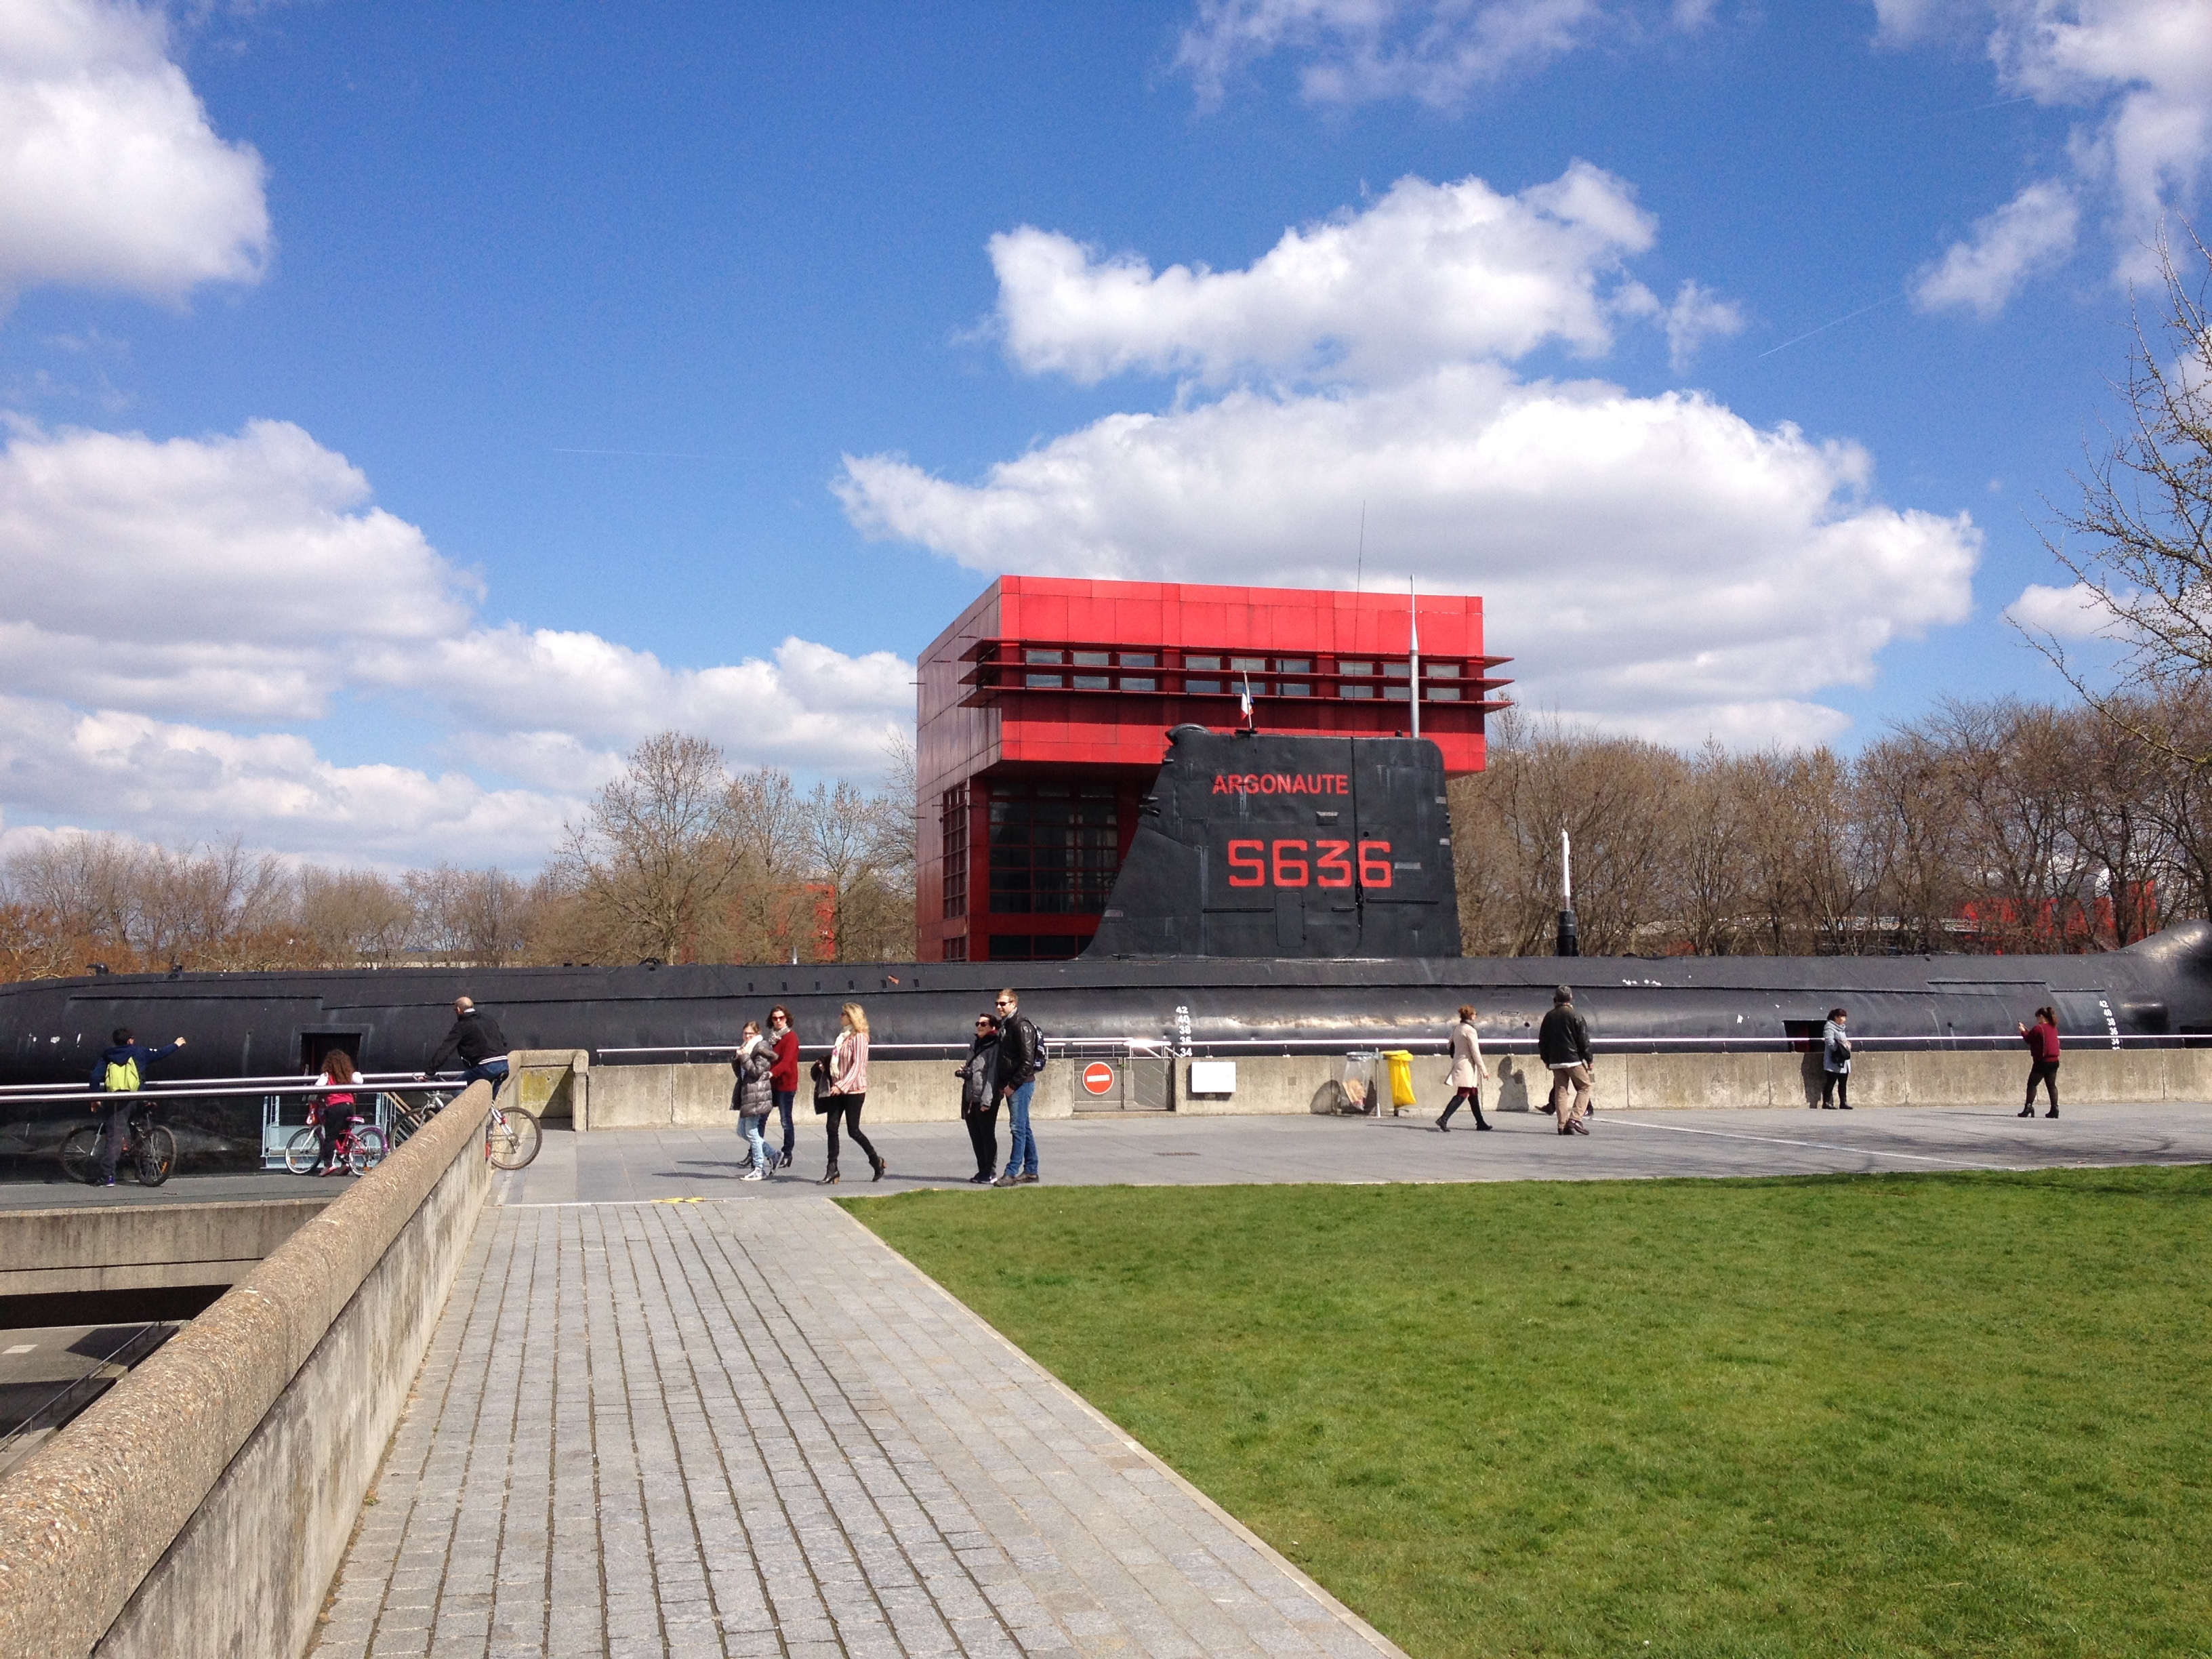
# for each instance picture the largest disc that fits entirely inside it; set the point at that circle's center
(847, 1090)
(1467, 1070)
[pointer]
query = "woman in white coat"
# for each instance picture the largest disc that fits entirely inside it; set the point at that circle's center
(1467, 1070)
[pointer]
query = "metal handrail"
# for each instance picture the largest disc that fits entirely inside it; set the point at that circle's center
(154, 1085)
(231, 1090)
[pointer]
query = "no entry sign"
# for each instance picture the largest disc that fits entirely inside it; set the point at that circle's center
(1098, 1077)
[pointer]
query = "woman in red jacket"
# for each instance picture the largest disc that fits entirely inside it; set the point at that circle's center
(783, 1079)
(2042, 1039)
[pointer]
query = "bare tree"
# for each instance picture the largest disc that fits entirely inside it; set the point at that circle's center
(658, 847)
(2139, 545)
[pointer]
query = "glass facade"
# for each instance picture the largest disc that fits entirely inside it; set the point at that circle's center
(1055, 847)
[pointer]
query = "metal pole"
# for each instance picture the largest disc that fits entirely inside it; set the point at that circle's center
(1569, 941)
(1413, 616)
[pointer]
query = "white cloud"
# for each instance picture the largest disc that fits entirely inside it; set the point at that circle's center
(1654, 562)
(2142, 72)
(166, 779)
(110, 173)
(1428, 272)
(158, 589)
(1698, 315)
(1436, 51)
(2073, 612)
(219, 577)
(2031, 233)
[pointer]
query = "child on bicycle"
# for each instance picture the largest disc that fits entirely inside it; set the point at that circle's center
(334, 1116)
(118, 1071)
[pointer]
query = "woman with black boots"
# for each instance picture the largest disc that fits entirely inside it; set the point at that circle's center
(979, 1102)
(2042, 1040)
(1836, 1063)
(1467, 1070)
(846, 1088)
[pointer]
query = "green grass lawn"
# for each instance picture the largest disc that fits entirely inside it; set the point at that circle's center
(1908, 1414)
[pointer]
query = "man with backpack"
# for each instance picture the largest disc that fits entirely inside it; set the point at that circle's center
(1021, 1057)
(119, 1070)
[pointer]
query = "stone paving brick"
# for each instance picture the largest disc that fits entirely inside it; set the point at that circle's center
(723, 1429)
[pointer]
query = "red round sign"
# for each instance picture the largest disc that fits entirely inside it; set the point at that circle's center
(1098, 1076)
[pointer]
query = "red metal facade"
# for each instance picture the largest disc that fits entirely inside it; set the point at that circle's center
(1044, 710)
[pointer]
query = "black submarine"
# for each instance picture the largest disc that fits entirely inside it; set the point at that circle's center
(1280, 895)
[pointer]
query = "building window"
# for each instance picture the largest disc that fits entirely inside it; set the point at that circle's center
(1055, 848)
(954, 822)
(956, 950)
(1201, 688)
(1138, 659)
(1349, 686)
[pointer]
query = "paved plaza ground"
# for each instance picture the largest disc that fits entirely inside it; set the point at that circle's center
(1163, 1148)
(670, 1412)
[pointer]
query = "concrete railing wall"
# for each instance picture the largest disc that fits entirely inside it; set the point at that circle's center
(925, 1092)
(136, 1246)
(202, 1505)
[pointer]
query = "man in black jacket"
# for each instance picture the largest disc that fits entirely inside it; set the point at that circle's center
(1021, 1057)
(476, 1038)
(1563, 1044)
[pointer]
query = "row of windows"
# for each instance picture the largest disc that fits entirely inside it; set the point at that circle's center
(1217, 675)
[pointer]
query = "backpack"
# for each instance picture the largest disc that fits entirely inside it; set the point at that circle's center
(122, 1078)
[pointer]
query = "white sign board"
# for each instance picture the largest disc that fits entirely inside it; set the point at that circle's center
(1213, 1076)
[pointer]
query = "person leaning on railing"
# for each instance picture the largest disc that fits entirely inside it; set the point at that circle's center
(476, 1039)
(119, 1071)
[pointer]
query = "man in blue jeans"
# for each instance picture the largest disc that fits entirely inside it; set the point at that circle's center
(1021, 1055)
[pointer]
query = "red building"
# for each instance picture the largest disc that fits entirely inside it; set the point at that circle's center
(1044, 712)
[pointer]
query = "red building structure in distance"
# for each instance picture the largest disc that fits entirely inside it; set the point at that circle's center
(1043, 713)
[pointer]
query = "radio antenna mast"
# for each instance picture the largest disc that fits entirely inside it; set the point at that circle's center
(1413, 616)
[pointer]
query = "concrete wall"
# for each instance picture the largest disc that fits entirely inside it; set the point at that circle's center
(555, 1083)
(1278, 1084)
(202, 1505)
(698, 1096)
(130, 1247)
(925, 1092)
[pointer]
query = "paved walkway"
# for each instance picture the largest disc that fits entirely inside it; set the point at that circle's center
(723, 1428)
(668, 1412)
(1172, 1151)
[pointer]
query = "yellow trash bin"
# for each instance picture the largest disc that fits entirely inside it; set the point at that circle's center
(1402, 1078)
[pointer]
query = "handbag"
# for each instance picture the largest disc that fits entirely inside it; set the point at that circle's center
(820, 1072)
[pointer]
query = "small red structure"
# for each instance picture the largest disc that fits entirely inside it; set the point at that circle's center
(1044, 711)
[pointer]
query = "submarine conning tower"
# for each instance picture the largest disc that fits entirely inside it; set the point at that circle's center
(1253, 844)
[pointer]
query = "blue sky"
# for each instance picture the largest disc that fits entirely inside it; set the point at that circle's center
(413, 406)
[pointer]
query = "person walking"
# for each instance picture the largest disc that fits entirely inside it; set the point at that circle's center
(2042, 1040)
(979, 1102)
(334, 1113)
(753, 1097)
(783, 1080)
(1836, 1063)
(846, 1074)
(475, 1038)
(119, 1071)
(1021, 1057)
(1563, 1044)
(1467, 1071)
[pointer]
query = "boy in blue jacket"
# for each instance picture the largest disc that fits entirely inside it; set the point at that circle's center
(118, 1071)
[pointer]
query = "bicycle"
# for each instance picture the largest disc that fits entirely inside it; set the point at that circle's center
(149, 1147)
(359, 1146)
(512, 1135)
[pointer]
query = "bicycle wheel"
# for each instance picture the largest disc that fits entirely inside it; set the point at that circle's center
(368, 1149)
(304, 1151)
(81, 1154)
(409, 1117)
(511, 1137)
(155, 1155)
